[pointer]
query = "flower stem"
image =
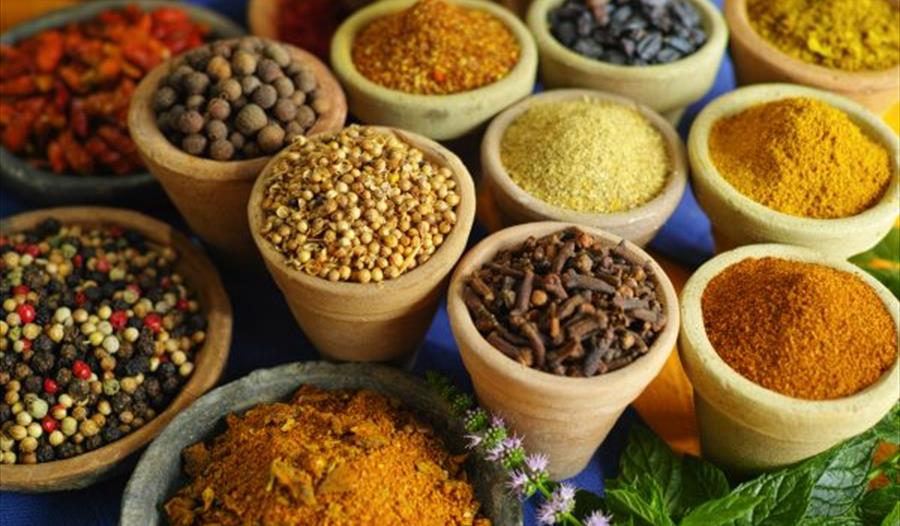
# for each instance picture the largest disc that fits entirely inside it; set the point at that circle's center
(567, 517)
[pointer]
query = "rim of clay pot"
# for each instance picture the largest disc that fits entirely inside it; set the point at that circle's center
(703, 168)
(663, 204)
(159, 469)
(18, 173)
(454, 243)
(261, 15)
(798, 70)
(728, 389)
(158, 150)
(713, 24)
(342, 60)
(551, 384)
(85, 469)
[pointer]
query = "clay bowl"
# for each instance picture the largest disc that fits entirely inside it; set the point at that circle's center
(565, 418)
(44, 187)
(372, 321)
(86, 469)
(212, 195)
(756, 60)
(738, 220)
(748, 428)
(637, 225)
(666, 88)
(159, 473)
(439, 117)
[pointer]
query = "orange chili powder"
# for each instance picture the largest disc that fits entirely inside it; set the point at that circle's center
(801, 329)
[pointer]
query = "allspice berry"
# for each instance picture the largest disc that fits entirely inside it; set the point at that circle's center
(250, 119)
(193, 144)
(284, 86)
(216, 129)
(164, 98)
(285, 110)
(249, 84)
(265, 96)
(221, 150)
(270, 138)
(190, 122)
(267, 70)
(229, 89)
(218, 109)
(196, 83)
(219, 68)
(243, 62)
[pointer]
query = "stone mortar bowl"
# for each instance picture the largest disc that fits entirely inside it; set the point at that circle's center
(47, 188)
(158, 474)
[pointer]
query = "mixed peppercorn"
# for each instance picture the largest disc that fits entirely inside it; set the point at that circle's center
(98, 335)
(237, 99)
(64, 92)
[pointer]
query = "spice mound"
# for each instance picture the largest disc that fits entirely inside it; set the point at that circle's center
(357, 205)
(568, 304)
(802, 157)
(629, 32)
(801, 329)
(64, 92)
(327, 457)
(98, 336)
(435, 48)
(850, 35)
(586, 155)
(238, 99)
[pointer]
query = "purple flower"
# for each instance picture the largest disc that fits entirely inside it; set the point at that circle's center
(566, 493)
(495, 453)
(497, 421)
(537, 462)
(562, 501)
(513, 442)
(473, 440)
(518, 481)
(597, 519)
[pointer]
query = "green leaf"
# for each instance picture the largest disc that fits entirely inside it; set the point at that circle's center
(643, 503)
(701, 481)
(840, 476)
(786, 497)
(844, 520)
(893, 518)
(877, 504)
(883, 261)
(586, 503)
(721, 511)
(647, 454)
(888, 429)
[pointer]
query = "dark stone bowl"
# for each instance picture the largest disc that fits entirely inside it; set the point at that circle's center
(158, 474)
(43, 187)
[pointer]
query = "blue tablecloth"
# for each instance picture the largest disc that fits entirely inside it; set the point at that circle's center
(265, 335)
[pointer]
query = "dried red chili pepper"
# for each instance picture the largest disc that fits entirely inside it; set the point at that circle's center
(64, 92)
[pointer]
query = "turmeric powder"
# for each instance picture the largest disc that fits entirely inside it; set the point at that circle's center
(802, 157)
(326, 458)
(850, 35)
(801, 329)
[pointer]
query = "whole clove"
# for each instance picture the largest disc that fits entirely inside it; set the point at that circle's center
(567, 304)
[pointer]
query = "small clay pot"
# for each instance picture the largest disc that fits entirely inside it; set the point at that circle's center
(370, 321)
(739, 220)
(565, 418)
(212, 195)
(159, 473)
(748, 428)
(637, 225)
(44, 187)
(757, 60)
(201, 276)
(666, 88)
(439, 117)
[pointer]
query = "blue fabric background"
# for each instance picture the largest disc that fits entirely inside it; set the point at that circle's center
(265, 335)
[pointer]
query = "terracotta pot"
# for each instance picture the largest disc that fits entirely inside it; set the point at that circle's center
(372, 321)
(757, 60)
(440, 117)
(748, 428)
(212, 195)
(637, 225)
(666, 88)
(565, 418)
(738, 220)
(200, 274)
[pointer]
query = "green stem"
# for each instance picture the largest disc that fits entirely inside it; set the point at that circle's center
(880, 468)
(567, 517)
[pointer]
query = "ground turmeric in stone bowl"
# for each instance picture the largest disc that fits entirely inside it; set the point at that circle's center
(335, 457)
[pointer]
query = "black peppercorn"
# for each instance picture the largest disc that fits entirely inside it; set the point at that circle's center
(45, 453)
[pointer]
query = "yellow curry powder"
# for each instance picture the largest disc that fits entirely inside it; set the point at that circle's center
(851, 35)
(802, 157)
(436, 48)
(327, 458)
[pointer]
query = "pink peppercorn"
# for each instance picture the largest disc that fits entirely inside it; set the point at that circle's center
(26, 313)
(81, 370)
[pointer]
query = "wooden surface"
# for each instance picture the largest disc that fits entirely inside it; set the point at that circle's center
(201, 276)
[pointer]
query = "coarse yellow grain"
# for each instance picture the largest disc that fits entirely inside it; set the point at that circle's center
(586, 155)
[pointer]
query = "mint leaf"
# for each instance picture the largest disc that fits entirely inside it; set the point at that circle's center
(721, 511)
(893, 518)
(888, 429)
(845, 520)
(586, 503)
(786, 497)
(642, 503)
(647, 454)
(840, 476)
(701, 481)
(883, 261)
(877, 504)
